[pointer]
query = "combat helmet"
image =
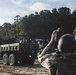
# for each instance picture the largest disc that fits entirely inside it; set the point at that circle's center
(67, 43)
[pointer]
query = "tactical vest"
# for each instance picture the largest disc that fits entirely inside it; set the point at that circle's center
(67, 65)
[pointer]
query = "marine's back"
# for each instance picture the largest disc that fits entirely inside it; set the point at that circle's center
(67, 65)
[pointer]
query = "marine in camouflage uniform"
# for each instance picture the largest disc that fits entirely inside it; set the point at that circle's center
(47, 57)
(52, 62)
(67, 60)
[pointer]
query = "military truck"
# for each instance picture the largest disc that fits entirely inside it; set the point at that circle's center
(14, 53)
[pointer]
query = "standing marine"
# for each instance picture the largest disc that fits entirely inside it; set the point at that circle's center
(62, 61)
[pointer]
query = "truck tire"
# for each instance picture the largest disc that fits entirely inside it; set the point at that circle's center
(12, 60)
(5, 59)
(27, 61)
(31, 61)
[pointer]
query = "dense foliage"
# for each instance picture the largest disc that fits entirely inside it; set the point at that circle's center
(40, 25)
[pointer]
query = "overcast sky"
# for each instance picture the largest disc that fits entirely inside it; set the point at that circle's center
(10, 8)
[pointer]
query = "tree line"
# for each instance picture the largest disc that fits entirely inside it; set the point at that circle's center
(39, 25)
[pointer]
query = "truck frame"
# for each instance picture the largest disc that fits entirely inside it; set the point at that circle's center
(14, 53)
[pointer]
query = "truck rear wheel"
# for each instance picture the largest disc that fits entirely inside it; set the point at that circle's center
(31, 61)
(12, 60)
(5, 59)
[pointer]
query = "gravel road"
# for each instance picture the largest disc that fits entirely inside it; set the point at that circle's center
(35, 69)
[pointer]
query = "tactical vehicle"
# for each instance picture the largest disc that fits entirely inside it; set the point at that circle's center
(22, 52)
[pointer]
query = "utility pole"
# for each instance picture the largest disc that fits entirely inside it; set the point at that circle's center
(17, 19)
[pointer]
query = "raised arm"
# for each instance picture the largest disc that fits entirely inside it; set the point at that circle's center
(50, 45)
(54, 35)
(74, 33)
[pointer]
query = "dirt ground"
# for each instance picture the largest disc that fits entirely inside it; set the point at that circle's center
(35, 69)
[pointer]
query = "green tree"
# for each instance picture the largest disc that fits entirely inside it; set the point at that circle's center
(6, 30)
